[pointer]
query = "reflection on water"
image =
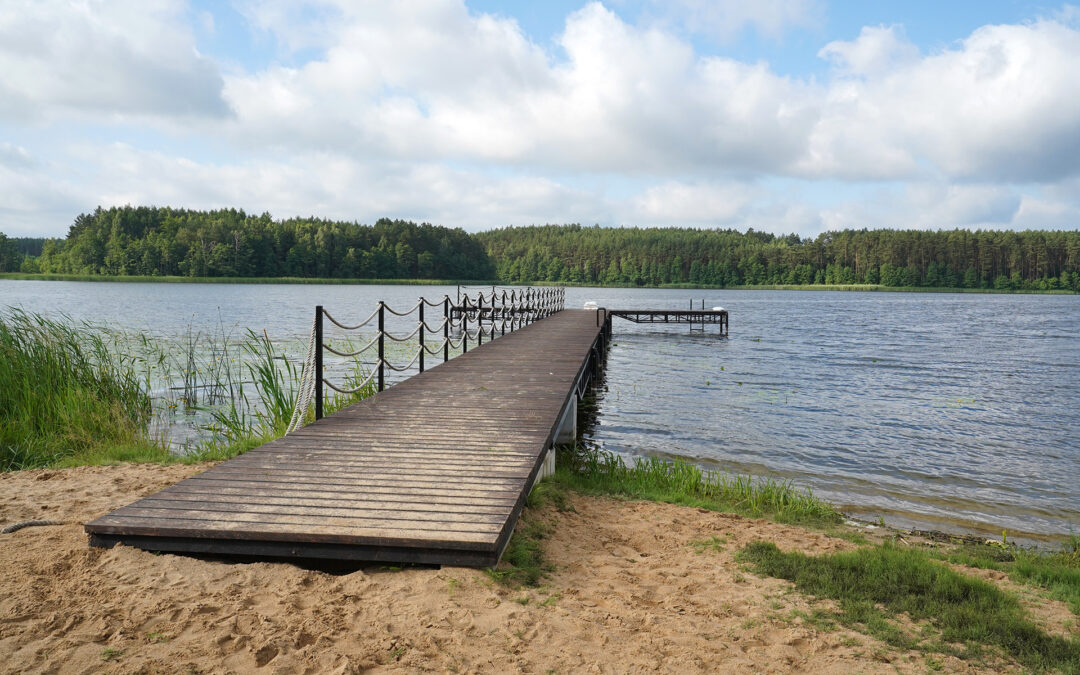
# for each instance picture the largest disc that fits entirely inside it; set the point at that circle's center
(932, 409)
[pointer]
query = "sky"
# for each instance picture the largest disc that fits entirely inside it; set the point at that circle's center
(788, 116)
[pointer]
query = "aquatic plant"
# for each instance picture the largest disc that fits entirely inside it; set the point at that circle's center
(64, 390)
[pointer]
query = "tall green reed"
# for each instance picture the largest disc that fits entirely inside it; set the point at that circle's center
(64, 390)
(276, 380)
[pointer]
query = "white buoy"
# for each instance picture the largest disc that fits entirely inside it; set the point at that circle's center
(591, 305)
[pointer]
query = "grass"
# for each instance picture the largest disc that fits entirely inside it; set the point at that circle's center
(1056, 572)
(960, 615)
(72, 395)
(594, 471)
(65, 392)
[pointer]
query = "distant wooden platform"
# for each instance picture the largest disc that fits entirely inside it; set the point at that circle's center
(432, 470)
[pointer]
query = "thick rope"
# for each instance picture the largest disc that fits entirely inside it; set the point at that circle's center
(362, 385)
(357, 352)
(403, 338)
(307, 386)
(359, 325)
(405, 313)
(406, 366)
(15, 527)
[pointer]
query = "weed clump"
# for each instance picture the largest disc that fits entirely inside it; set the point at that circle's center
(64, 391)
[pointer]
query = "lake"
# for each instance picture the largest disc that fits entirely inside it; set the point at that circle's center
(950, 411)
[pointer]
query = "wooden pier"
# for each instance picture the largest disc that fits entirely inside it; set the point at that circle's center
(432, 470)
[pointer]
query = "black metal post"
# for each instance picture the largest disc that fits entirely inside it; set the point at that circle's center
(465, 325)
(318, 363)
(382, 345)
(446, 328)
(502, 314)
(480, 320)
(421, 335)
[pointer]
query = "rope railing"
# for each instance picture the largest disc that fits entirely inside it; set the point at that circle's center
(468, 317)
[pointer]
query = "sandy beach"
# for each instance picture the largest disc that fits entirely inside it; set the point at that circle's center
(633, 590)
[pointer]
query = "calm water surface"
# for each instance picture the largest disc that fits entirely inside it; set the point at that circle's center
(943, 410)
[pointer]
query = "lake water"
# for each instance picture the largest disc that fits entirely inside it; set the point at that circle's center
(942, 410)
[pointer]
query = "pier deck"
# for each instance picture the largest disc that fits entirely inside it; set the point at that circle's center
(432, 470)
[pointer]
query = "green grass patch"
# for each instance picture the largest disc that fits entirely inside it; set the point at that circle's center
(960, 615)
(524, 563)
(1055, 572)
(64, 392)
(597, 472)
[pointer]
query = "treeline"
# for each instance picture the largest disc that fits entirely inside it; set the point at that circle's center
(1043, 260)
(229, 243)
(154, 241)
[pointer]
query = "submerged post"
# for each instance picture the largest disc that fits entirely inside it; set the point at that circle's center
(318, 363)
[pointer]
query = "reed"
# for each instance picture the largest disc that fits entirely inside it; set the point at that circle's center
(64, 391)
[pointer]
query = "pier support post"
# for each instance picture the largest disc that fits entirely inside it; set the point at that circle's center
(566, 432)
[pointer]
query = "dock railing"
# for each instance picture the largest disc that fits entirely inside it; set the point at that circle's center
(468, 317)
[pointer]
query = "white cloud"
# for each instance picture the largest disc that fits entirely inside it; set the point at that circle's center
(877, 50)
(427, 110)
(447, 84)
(330, 186)
(14, 156)
(1004, 105)
(930, 205)
(114, 57)
(674, 203)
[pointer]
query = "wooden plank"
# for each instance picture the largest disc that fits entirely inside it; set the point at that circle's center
(368, 488)
(179, 527)
(245, 511)
(493, 484)
(244, 497)
(337, 524)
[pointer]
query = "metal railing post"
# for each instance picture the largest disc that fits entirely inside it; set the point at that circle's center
(465, 326)
(446, 328)
(480, 320)
(502, 314)
(421, 335)
(318, 363)
(382, 340)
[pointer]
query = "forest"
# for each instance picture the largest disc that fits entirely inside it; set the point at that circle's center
(153, 241)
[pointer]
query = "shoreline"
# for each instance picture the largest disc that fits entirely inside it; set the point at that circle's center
(666, 583)
(866, 288)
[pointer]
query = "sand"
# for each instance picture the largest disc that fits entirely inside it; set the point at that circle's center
(631, 593)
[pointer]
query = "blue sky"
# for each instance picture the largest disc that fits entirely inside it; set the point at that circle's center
(786, 116)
